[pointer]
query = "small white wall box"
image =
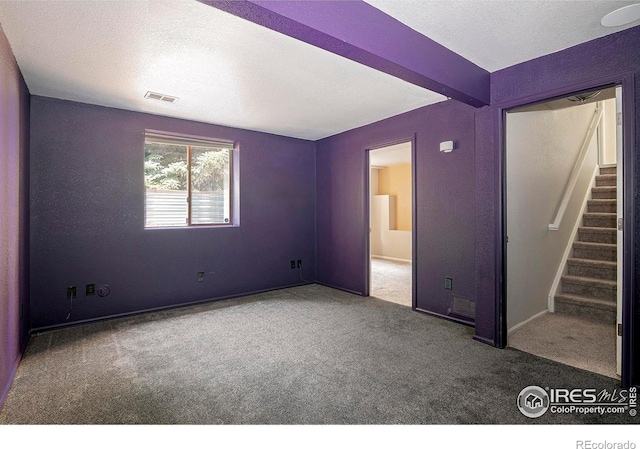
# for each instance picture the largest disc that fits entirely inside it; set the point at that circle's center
(446, 147)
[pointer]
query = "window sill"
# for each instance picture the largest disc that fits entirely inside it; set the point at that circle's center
(153, 228)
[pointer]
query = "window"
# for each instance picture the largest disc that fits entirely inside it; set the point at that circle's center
(187, 181)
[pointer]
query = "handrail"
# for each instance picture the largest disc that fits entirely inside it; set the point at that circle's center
(573, 179)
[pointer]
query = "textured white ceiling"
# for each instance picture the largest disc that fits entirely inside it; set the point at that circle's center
(232, 72)
(225, 70)
(495, 34)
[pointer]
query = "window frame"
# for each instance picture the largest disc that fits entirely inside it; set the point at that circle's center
(198, 142)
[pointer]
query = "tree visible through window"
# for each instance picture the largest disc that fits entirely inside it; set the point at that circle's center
(187, 182)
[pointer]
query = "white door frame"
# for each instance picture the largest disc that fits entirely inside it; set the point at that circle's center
(620, 227)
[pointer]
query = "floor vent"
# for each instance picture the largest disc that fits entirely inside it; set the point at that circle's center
(463, 306)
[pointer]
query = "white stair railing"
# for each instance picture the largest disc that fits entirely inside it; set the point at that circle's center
(568, 250)
(577, 168)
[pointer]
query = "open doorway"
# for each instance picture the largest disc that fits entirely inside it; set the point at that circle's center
(390, 223)
(564, 195)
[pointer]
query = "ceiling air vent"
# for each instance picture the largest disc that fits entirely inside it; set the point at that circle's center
(156, 96)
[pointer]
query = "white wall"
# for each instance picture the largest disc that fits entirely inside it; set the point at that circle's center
(385, 241)
(373, 181)
(609, 132)
(542, 148)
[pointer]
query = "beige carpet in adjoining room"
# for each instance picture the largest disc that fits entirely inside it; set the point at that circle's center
(574, 341)
(391, 281)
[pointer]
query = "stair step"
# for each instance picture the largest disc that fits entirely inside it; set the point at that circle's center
(597, 235)
(611, 170)
(592, 268)
(589, 287)
(602, 193)
(577, 305)
(595, 251)
(599, 205)
(605, 180)
(599, 220)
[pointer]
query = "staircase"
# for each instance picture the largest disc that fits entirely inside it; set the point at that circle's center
(589, 285)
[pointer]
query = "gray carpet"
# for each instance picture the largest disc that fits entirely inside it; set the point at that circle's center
(305, 355)
(573, 340)
(391, 280)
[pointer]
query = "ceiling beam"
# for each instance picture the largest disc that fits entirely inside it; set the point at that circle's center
(362, 33)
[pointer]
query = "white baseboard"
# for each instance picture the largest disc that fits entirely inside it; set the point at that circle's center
(519, 325)
(390, 258)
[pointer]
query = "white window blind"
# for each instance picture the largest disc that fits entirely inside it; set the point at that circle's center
(165, 139)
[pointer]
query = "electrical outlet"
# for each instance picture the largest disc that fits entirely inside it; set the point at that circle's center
(299, 263)
(448, 284)
(71, 292)
(90, 290)
(293, 264)
(200, 276)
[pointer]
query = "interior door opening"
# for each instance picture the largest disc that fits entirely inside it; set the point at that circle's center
(390, 223)
(564, 198)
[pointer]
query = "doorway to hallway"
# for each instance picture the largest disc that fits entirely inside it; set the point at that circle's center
(390, 223)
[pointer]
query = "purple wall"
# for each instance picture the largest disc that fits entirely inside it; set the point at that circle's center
(87, 216)
(459, 216)
(445, 195)
(604, 60)
(14, 216)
